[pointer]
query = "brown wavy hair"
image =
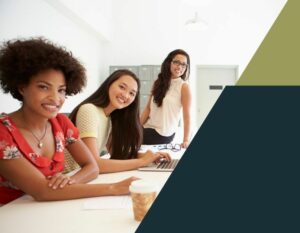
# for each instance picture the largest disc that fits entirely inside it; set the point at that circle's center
(22, 59)
(126, 134)
(163, 82)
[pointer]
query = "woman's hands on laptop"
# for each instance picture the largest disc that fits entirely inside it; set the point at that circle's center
(153, 157)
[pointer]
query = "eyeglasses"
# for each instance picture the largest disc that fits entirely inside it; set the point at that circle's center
(170, 146)
(178, 63)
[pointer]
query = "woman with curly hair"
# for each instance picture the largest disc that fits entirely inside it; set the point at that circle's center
(170, 95)
(32, 139)
(109, 119)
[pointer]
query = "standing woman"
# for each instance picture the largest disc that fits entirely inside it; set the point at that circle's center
(109, 118)
(32, 139)
(170, 95)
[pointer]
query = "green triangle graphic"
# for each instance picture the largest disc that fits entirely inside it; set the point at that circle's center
(277, 60)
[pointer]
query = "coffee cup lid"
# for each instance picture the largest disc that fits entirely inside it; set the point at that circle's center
(142, 186)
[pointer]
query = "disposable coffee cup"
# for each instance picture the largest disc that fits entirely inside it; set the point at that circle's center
(143, 194)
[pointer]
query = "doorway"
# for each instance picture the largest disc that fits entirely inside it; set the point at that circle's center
(210, 82)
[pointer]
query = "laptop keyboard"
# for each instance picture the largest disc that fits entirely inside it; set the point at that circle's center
(167, 165)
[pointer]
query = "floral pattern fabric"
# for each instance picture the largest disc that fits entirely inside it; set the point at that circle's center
(13, 146)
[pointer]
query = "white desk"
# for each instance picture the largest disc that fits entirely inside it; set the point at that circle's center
(27, 215)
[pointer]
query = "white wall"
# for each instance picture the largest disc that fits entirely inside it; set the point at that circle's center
(28, 18)
(136, 32)
(146, 31)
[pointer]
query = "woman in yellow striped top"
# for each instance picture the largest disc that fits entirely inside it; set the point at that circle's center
(110, 118)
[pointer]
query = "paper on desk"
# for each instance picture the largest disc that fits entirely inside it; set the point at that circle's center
(114, 202)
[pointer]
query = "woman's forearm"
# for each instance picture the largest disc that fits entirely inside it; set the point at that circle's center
(73, 191)
(82, 190)
(113, 165)
(85, 174)
(186, 129)
(84, 157)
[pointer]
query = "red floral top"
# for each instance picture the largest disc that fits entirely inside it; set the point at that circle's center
(13, 146)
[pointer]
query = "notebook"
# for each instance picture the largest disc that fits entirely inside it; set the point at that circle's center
(163, 166)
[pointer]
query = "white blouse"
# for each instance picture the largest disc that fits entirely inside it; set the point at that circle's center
(165, 119)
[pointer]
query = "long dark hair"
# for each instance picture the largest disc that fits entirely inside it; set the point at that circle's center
(126, 134)
(163, 82)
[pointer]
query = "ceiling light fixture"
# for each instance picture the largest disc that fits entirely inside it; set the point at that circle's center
(196, 24)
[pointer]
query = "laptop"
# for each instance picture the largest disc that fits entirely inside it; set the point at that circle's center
(163, 166)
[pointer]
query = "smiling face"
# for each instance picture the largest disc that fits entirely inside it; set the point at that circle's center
(178, 65)
(122, 93)
(45, 93)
